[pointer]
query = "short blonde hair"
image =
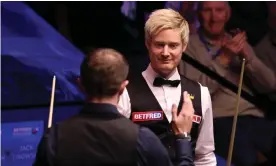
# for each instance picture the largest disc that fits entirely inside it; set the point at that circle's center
(166, 19)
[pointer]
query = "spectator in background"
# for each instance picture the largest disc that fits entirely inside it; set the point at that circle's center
(220, 52)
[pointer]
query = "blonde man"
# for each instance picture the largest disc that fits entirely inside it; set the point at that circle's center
(151, 94)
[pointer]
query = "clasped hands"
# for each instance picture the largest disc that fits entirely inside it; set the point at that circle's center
(234, 47)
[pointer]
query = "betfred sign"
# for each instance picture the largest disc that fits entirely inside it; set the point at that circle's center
(147, 116)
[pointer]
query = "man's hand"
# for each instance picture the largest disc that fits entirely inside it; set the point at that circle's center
(234, 47)
(183, 122)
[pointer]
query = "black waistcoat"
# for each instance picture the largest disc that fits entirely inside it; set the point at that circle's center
(142, 100)
(97, 136)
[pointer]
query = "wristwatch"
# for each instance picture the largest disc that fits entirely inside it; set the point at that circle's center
(185, 135)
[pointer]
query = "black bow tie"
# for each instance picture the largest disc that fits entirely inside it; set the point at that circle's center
(159, 81)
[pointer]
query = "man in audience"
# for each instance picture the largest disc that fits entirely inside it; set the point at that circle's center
(100, 135)
(160, 85)
(221, 52)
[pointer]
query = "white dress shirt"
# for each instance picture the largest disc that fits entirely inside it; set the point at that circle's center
(167, 96)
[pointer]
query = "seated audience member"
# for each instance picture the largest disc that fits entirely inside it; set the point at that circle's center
(266, 48)
(100, 135)
(221, 52)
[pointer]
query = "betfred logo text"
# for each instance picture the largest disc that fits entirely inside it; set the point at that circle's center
(147, 116)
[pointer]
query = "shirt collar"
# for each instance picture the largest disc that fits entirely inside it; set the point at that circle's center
(150, 74)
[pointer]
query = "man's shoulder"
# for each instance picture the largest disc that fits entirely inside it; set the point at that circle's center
(194, 38)
(193, 45)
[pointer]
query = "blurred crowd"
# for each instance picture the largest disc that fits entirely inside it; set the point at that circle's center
(217, 32)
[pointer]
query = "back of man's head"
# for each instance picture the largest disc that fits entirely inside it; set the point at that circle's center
(102, 73)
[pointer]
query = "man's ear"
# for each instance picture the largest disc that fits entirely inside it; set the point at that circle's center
(80, 85)
(123, 86)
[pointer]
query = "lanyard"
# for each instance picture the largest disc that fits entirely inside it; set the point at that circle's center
(204, 41)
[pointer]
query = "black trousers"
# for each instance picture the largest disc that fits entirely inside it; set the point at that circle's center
(253, 135)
